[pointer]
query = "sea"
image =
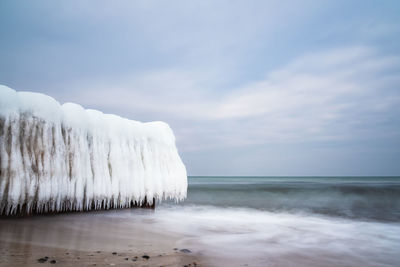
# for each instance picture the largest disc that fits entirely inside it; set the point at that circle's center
(358, 198)
(242, 221)
(290, 221)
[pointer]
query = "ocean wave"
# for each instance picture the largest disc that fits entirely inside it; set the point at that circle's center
(239, 236)
(371, 199)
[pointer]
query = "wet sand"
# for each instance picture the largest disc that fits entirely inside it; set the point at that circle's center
(91, 239)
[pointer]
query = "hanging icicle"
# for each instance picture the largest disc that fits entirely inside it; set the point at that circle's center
(62, 157)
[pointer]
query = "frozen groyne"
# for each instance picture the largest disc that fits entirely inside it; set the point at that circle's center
(65, 158)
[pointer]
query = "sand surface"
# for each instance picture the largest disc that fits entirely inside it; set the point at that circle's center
(90, 239)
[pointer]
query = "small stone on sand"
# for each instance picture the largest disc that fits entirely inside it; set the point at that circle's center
(43, 260)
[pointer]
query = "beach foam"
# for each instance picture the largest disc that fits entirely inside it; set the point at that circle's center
(239, 236)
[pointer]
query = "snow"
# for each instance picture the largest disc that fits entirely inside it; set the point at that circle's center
(64, 157)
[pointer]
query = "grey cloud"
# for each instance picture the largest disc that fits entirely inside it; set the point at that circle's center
(338, 94)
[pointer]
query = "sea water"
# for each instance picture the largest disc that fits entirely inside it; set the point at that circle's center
(289, 221)
(359, 198)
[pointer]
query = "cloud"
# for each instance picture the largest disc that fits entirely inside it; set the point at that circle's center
(338, 94)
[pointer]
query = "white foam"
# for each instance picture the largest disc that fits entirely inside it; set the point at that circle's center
(241, 237)
(63, 157)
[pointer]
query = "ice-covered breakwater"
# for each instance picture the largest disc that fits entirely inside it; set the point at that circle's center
(62, 157)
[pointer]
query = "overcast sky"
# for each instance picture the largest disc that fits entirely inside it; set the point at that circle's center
(249, 87)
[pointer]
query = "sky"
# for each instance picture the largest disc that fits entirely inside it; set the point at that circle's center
(248, 87)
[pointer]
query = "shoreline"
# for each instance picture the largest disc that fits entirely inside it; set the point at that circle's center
(104, 238)
(213, 236)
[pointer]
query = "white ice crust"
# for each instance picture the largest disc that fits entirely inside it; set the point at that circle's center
(63, 157)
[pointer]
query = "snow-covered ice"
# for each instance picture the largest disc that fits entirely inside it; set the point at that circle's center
(63, 157)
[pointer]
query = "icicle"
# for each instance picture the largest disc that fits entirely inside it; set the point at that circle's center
(62, 157)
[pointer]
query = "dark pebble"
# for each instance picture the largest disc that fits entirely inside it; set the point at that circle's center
(185, 250)
(42, 260)
(98, 251)
(160, 255)
(133, 259)
(114, 253)
(53, 262)
(175, 248)
(185, 266)
(146, 257)
(126, 259)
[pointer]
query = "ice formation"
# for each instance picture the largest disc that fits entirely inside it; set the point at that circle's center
(62, 157)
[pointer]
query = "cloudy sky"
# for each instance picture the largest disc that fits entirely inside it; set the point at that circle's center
(249, 87)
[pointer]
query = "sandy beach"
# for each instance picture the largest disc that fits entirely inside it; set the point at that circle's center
(90, 239)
